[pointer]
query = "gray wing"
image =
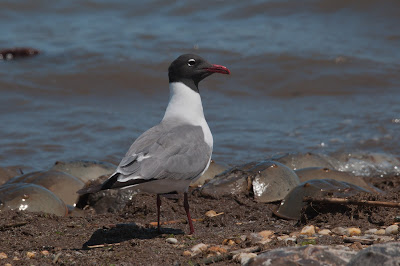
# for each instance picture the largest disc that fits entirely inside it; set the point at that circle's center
(178, 153)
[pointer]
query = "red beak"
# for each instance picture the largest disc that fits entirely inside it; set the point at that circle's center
(218, 69)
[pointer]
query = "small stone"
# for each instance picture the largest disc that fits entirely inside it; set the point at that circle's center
(353, 231)
(15, 258)
(371, 231)
(7, 264)
(340, 231)
(324, 232)
(392, 230)
(30, 255)
(217, 250)
(295, 234)
(283, 237)
(243, 258)
(292, 239)
(187, 253)
(45, 252)
(266, 233)
(199, 248)
(171, 240)
(3, 256)
(308, 230)
(211, 213)
(380, 232)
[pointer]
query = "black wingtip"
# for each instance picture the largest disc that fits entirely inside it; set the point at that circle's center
(88, 190)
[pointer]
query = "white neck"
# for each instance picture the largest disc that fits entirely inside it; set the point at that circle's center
(185, 106)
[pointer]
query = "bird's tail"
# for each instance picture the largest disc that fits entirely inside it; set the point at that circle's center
(96, 188)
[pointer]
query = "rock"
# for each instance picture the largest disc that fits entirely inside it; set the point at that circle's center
(352, 231)
(61, 184)
(305, 255)
(30, 255)
(310, 173)
(213, 170)
(171, 240)
(31, 197)
(3, 256)
(324, 232)
(187, 253)
(292, 205)
(85, 170)
(340, 231)
(379, 254)
(392, 230)
(266, 233)
(243, 258)
(380, 232)
(308, 230)
(17, 52)
(199, 248)
(297, 161)
(217, 250)
(212, 213)
(371, 231)
(45, 252)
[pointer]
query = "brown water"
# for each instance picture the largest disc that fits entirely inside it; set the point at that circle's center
(306, 76)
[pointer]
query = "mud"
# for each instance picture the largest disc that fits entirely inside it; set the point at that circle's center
(126, 236)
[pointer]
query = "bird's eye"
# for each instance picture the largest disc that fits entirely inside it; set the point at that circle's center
(191, 62)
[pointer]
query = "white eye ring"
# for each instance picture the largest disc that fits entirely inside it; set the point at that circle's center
(191, 62)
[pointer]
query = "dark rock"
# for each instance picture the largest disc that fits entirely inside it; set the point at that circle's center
(17, 52)
(305, 255)
(387, 254)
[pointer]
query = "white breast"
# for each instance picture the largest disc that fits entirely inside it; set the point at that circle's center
(185, 104)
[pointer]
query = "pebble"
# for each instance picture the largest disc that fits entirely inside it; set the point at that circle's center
(228, 242)
(282, 237)
(7, 264)
(308, 230)
(243, 258)
(218, 250)
(340, 231)
(199, 248)
(371, 231)
(3, 256)
(187, 253)
(324, 232)
(392, 230)
(266, 233)
(293, 239)
(171, 240)
(353, 231)
(45, 252)
(380, 232)
(30, 255)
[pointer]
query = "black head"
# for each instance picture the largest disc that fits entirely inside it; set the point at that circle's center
(190, 69)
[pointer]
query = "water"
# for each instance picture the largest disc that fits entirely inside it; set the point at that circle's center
(312, 76)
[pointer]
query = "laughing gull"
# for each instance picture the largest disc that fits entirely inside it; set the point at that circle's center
(171, 155)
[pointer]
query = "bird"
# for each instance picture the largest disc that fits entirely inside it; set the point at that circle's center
(169, 156)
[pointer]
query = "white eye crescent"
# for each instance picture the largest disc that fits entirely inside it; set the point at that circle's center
(191, 62)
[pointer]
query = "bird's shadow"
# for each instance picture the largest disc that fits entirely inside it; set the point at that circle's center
(124, 232)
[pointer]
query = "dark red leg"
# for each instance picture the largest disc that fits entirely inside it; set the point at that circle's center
(158, 213)
(186, 206)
